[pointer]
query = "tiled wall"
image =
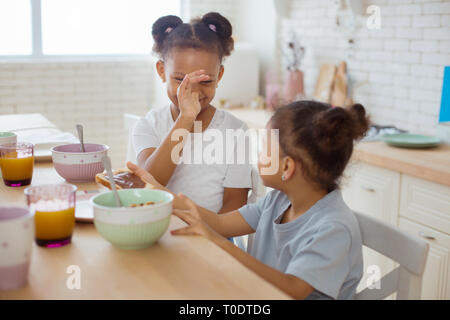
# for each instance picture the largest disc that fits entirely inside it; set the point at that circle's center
(397, 69)
(94, 93)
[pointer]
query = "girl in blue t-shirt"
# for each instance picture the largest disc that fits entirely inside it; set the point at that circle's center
(307, 241)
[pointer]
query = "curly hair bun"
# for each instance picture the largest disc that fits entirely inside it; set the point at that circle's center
(335, 127)
(361, 121)
(160, 27)
(223, 27)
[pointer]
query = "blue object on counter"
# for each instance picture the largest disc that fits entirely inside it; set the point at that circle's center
(444, 115)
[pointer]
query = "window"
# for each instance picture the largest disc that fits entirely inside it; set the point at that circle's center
(80, 27)
(15, 27)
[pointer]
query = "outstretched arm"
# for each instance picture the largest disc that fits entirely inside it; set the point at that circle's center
(290, 284)
(230, 224)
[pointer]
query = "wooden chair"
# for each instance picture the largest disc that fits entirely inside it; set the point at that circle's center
(408, 251)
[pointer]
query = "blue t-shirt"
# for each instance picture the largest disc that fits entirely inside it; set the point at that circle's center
(323, 246)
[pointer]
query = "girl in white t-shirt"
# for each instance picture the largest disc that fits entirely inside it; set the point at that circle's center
(190, 63)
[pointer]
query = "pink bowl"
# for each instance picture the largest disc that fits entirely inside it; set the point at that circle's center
(76, 166)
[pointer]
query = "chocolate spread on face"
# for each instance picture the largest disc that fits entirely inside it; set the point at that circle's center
(128, 180)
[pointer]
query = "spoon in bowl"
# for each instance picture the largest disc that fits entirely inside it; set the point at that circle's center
(107, 164)
(80, 136)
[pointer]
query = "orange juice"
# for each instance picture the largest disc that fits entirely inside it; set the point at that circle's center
(54, 222)
(16, 169)
(53, 225)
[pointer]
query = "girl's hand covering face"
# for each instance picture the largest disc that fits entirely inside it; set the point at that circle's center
(188, 100)
(196, 226)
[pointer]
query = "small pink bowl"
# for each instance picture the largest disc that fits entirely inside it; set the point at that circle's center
(76, 166)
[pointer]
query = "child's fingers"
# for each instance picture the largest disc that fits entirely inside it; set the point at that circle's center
(184, 84)
(195, 96)
(140, 172)
(183, 215)
(183, 231)
(196, 79)
(196, 73)
(191, 204)
(136, 169)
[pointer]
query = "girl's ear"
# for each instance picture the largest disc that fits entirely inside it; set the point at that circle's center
(288, 168)
(161, 70)
(221, 71)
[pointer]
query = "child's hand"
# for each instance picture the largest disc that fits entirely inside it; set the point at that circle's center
(188, 101)
(144, 175)
(192, 217)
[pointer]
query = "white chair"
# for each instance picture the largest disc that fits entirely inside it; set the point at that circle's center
(408, 251)
(129, 121)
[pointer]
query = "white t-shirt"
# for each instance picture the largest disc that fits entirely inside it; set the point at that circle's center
(203, 183)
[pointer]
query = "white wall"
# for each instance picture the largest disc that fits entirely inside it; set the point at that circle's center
(94, 93)
(399, 67)
(256, 23)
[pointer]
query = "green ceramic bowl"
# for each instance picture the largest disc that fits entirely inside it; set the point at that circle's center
(132, 228)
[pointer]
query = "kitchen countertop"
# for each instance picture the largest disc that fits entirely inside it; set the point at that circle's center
(429, 164)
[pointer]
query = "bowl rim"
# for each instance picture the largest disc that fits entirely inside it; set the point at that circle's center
(52, 149)
(116, 209)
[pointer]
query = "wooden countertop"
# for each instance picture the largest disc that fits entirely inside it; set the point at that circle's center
(177, 267)
(429, 164)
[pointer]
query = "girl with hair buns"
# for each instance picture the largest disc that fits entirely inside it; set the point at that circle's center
(190, 63)
(307, 241)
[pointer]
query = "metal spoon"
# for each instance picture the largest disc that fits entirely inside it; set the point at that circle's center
(107, 164)
(80, 136)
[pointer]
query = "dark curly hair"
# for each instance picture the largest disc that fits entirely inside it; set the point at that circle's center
(320, 137)
(211, 32)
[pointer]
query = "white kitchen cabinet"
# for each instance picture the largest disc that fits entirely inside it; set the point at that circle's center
(373, 191)
(425, 202)
(436, 278)
(417, 206)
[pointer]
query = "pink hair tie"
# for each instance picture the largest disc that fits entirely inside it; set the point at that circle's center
(212, 27)
(168, 29)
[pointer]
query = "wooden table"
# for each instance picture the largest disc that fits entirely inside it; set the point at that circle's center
(177, 267)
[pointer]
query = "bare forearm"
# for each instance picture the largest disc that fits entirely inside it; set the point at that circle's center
(160, 163)
(291, 285)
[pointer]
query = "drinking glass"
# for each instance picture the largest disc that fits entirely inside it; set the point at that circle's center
(54, 213)
(17, 161)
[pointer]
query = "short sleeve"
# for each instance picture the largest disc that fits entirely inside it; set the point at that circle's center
(239, 173)
(238, 176)
(252, 212)
(324, 261)
(144, 134)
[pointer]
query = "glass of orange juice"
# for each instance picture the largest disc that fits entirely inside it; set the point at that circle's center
(16, 163)
(54, 213)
